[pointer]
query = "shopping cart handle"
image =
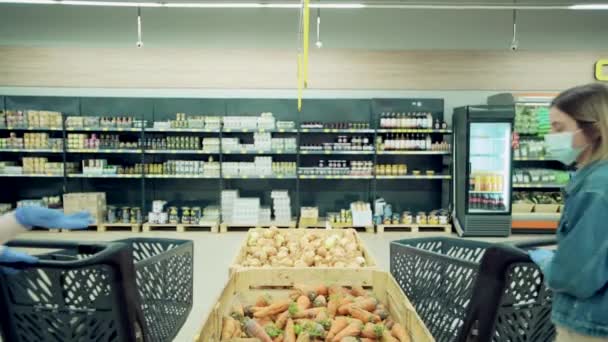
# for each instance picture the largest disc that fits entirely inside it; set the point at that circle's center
(99, 252)
(535, 243)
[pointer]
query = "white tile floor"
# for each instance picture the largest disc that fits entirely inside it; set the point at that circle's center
(215, 252)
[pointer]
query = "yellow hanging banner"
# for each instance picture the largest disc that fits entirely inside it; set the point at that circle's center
(306, 24)
(600, 74)
(300, 82)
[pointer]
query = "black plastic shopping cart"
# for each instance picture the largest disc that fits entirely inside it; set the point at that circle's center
(474, 291)
(126, 290)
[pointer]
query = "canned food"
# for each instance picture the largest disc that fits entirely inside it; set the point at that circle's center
(173, 215)
(407, 218)
(196, 214)
(111, 214)
(421, 218)
(125, 214)
(186, 215)
(135, 215)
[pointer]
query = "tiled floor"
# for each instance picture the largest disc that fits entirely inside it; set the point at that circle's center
(215, 252)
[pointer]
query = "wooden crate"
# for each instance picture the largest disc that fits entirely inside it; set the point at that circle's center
(415, 228)
(225, 227)
(523, 207)
(249, 285)
(213, 227)
(148, 227)
(133, 227)
(369, 259)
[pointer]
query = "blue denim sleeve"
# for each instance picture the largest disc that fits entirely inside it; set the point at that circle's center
(580, 264)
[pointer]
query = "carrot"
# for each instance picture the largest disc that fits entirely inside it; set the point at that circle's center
(253, 329)
(368, 331)
(387, 337)
(303, 303)
(304, 337)
(273, 309)
(332, 306)
(350, 339)
(388, 323)
(346, 300)
(321, 316)
(367, 304)
(399, 332)
(353, 329)
(381, 311)
(320, 301)
(262, 301)
(310, 313)
(367, 339)
(322, 290)
(263, 321)
(282, 319)
(363, 315)
(278, 338)
(358, 291)
(243, 339)
(290, 334)
(337, 290)
(238, 331)
(337, 325)
(229, 328)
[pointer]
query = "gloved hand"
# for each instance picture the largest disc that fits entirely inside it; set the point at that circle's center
(10, 256)
(31, 216)
(541, 256)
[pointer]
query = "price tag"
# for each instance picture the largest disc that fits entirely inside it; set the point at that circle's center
(281, 130)
(327, 152)
(305, 130)
(245, 177)
(326, 130)
(105, 129)
(334, 131)
(244, 130)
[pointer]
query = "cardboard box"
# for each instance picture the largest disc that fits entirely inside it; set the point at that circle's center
(92, 202)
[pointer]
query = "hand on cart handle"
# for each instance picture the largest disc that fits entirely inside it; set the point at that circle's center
(33, 216)
(8, 255)
(541, 257)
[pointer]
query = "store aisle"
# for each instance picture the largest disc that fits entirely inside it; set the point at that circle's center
(215, 252)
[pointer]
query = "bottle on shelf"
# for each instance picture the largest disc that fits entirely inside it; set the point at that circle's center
(383, 120)
(402, 120)
(429, 142)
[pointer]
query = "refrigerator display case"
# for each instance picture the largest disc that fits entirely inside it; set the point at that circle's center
(483, 161)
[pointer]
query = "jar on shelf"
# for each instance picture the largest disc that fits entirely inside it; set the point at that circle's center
(173, 215)
(421, 218)
(407, 218)
(186, 215)
(126, 214)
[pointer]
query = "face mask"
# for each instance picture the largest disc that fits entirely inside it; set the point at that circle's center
(560, 147)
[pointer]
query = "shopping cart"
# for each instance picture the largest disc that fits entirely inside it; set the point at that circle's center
(127, 290)
(475, 291)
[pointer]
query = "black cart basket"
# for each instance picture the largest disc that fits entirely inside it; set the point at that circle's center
(126, 290)
(474, 291)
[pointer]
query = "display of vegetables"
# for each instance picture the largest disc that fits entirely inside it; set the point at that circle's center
(314, 314)
(538, 197)
(275, 248)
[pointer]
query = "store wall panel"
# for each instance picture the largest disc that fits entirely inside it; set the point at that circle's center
(333, 195)
(275, 68)
(15, 189)
(117, 107)
(182, 192)
(66, 105)
(165, 109)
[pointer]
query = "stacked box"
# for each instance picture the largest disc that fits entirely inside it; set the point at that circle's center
(245, 211)
(91, 202)
(227, 201)
(281, 205)
(264, 216)
(262, 141)
(266, 121)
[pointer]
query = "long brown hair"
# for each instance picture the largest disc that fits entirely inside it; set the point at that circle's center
(588, 106)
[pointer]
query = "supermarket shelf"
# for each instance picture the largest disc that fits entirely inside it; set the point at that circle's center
(331, 130)
(416, 152)
(225, 227)
(104, 150)
(336, 152)
(229, 130)
(181, 130)
(259, 152)
(416, 177)
(102, 129)
(31, 150)
(334, 177)
(32, 175)
(181, 228)
(35, 129)
(485, 192)
(486, 211)
(180, 152)
(260, 177)
(415, 228)
(323, 223)
(406, 130)
(80, 175)
(182, 177)
(538, 186)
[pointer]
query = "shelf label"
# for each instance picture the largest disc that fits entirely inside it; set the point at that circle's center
(334, 131)
(281, 130)
(305, 130)
(327, 152)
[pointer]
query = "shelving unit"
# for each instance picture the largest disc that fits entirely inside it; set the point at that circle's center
(531, 222)
(328, 192)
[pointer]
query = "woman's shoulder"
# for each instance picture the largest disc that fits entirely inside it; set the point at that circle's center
(597, 179)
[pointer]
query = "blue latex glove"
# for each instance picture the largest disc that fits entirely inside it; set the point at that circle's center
(10, 256)
(31, 216)
(541, 257)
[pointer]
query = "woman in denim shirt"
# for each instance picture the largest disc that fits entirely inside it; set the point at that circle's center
(578, 270)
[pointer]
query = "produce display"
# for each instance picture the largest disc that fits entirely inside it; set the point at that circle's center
(530, 149)
(540, 176)
(277, 248)
(320, 313)
(538, 197)
(532, 119)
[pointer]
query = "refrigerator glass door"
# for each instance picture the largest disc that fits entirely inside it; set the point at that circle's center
(489, 190)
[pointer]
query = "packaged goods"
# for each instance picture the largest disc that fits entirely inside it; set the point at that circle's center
(92, 202)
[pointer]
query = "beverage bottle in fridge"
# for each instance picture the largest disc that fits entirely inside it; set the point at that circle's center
(471, 201)
(472, 183)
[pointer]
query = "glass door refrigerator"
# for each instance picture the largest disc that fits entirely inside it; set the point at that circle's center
(482, 159)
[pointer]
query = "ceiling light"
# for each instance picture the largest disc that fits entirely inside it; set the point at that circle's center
(108, 3)
(41, 2)
(590, 7)
(339, 5)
